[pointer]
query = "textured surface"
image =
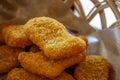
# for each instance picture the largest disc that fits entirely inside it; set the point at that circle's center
(15, 37)
(64, 76)
(21, 74)
(94, 68)
(85, 39)
(52, 37)
(8, 58)
(39, 64)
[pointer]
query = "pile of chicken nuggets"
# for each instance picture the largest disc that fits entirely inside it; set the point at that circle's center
(42, 49)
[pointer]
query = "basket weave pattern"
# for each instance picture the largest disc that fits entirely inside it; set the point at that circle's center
(98, 8)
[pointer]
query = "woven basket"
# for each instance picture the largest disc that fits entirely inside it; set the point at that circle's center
(97, 9)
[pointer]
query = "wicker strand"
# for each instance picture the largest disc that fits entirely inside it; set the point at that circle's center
(89, 18)
(79, 8)
(102, 13)
(98, 8)
(114, 9)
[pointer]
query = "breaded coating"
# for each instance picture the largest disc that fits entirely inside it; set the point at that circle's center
(39, 64)
(8, 58)
(64, 76)
(21, 74)
(94, 68)
(15, 37)
(52, 37)
(34, 49)
(85, 39)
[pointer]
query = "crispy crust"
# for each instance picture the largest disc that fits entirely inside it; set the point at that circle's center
(21, 74)
(15, 37)
(94, 68)
(8, 58)
(39, 64)
(64, 76)
(85, 39)
(51, 36)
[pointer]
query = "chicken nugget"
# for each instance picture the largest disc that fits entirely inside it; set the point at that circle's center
(38, 63)
(64, 76)
(8, 58)
(15, 37)
(93, 68)
(21, 74)
(52, 37)
(85, 39)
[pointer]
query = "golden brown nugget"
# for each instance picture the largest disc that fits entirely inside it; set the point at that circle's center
(39, 64)
(21, 74)
(94, 68)
(15, 37)
(34, 49)
(8, 58)
(52, 37)
(85, 39)
(64, 76)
